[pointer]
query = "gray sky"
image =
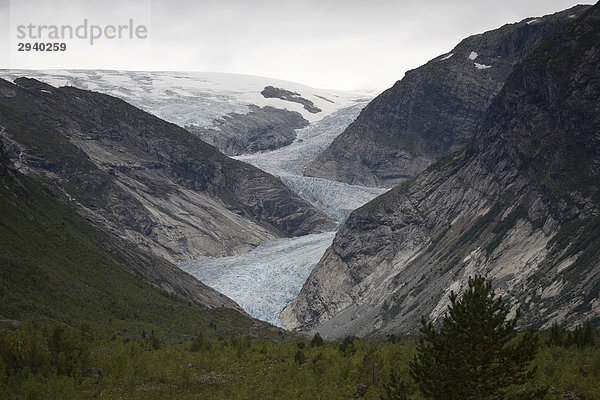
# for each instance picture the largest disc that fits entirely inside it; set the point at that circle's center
(340, 44)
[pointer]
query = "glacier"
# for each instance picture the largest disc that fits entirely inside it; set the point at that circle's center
(336, 199)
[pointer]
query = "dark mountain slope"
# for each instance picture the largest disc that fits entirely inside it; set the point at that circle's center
(434, 109)
(520, 204)
(150, 181)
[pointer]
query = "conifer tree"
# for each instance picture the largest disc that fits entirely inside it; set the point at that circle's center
(317, 341)
(395, 389)
(472, 356)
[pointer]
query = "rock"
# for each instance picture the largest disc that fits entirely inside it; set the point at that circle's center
(287, 95)
(261, 129)
(361, 389)
(434, 110)
(485, 210)
(584, 370)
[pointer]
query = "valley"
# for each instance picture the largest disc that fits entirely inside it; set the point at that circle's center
(215, 235)
(264, 280)
(254, 227)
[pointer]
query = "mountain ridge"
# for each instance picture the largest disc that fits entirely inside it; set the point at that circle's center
(518, 204)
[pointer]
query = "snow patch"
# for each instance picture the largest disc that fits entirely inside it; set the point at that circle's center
(482, 66)
(532, 21)
(572, 16)
(473, 56)
(45, 91)
(447, 57)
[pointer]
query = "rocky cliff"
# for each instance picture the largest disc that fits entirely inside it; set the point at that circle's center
(149, 181)
(520, 204)
(434, 109)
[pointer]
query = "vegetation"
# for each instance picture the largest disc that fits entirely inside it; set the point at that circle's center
(54, 362)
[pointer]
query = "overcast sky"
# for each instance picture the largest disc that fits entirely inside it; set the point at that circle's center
(339, 44)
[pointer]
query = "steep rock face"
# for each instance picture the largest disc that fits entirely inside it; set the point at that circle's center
(433, 110)
(519, 204)
(148, 180)
(261, 129)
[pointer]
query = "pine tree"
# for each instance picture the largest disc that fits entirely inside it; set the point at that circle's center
(395, 389)
(471, 356)
(557, 336)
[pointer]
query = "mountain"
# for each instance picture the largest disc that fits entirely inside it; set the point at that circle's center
(434, 109)
(236, 113)
(520, 204)
(147, 180)
(56, 267)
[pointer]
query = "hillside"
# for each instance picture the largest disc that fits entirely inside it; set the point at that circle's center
(56, 267)
(519, 204)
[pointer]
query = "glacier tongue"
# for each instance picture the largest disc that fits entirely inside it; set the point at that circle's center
(335, 199)
(266, 279)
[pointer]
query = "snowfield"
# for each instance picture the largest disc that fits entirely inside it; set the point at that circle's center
(193, 98)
